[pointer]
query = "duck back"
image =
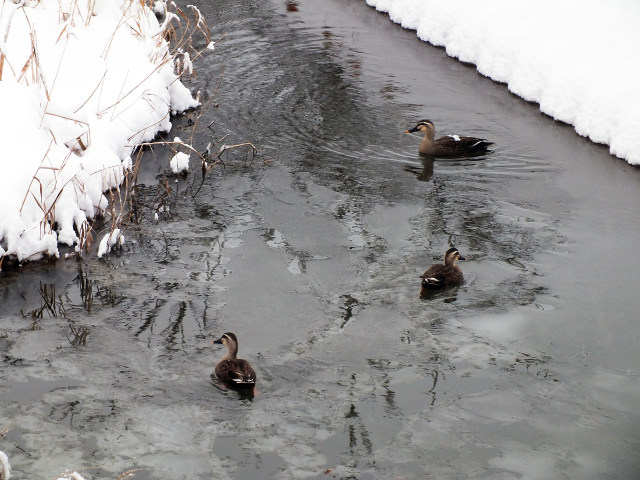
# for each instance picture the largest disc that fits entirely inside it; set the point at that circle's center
(441, 276)
(455, 146)
(236, 373)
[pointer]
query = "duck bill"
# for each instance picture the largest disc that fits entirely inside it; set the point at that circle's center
(461, 258)
(414, 129)
(219, 341)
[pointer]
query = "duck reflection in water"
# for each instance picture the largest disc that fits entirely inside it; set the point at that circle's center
(425, 173)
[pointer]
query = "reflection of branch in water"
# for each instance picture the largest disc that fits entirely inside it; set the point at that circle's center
(107, 296)
(59, 412)
(176, 327)
(389, 395)
(349, 304)
(35, 325)
(151, 317)
(435, 375)
(79, 335)
(52, 305)
(86, 289)
(353, 432)
(356, 429)
(224, 149)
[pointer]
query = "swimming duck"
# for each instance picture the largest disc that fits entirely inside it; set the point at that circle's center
(232, 371)
(449, 146)
(441, 276)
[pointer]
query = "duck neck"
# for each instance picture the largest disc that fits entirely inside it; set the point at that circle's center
(430, 135)
(427, 141)
(232, 352)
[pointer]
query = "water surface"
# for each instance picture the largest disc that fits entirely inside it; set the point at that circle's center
(311, 255)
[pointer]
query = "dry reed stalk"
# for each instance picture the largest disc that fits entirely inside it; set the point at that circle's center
(185, 145)
(201, 24)
(132, 89)
(145, 128)
(85, 237)
(180, 45)
(92, 93)
(34, 176)
(91, 7)
(34, 61)
(64, 50)
(5, 429)
(75, 120)
(113, 35)
(6, 36)
(128, 473)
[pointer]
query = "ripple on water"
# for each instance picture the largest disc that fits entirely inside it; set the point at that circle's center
(313, 260)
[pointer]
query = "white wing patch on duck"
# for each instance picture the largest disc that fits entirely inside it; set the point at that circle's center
(455, 137)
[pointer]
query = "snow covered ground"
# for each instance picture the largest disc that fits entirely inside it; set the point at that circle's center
(578, 59)
(81, 83)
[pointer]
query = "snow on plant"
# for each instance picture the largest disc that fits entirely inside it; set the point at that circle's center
(179, 163)
(81, 85)
(110, 240)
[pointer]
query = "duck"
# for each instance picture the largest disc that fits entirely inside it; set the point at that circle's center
(448, 146)
(440, 276)
(234, 372)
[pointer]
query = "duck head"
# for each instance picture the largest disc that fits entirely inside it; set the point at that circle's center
(452, 256)
(425, 126)
(230, 341)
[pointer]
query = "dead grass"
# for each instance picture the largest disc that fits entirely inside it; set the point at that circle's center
(46, 185)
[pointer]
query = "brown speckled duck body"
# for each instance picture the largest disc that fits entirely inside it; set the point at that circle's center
(441, 276)
(234, 372)
(450, 145)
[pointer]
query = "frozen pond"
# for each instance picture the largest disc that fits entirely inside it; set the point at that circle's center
(312, 255)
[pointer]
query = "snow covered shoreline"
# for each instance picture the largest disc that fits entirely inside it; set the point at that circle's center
(81, 84)
(577, 59)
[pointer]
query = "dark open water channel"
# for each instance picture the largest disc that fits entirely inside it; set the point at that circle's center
(529, 370)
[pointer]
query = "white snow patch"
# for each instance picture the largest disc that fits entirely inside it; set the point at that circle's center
(179, 163)
(109, 240)
(294, 266)
(100, 87)
(4, 466)
(70, 476)
(159, 7)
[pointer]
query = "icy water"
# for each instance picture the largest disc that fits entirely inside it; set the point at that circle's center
(311, 255)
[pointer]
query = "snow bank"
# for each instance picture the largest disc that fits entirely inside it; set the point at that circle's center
(5, 468)
(578, 59)
(81, 83)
